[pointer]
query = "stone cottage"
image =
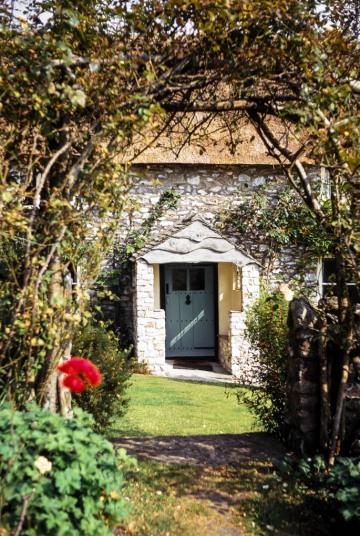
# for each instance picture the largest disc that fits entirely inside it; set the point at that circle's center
(193, 280)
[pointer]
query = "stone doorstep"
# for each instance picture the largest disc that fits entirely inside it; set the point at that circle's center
(218, 374)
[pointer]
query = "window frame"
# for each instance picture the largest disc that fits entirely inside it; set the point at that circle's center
(322, 285)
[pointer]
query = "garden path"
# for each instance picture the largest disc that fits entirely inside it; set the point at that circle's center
(213, 453)
(224, 449)
(207, 451)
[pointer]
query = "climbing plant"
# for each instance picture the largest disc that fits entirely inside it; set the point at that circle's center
(136, 239)
(116, 278)
(279, 221)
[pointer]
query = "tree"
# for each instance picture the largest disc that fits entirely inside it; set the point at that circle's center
(77, 88)
(70, 104)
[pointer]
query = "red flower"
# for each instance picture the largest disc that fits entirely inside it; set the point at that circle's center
(74, 383)
(78, 372)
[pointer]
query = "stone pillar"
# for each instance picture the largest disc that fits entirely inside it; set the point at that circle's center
(149, 322)
(250, 284)
(239, 347)
(241, 362)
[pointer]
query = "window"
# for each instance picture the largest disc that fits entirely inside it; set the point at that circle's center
(197, 279)
(328, 280)
(179, 279)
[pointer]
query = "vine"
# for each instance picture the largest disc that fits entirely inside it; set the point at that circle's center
(116, 279)
(280, 223)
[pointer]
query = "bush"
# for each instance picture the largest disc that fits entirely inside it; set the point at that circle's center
(338, 488)
(108, 401)
(267, 332)
(65, 476)
(345, 482)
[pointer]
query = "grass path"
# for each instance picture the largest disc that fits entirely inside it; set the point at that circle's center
(244, 500)
(247, 499)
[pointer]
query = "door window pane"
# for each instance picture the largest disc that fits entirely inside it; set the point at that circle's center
(197, 279)
(179, 279)
(329, 270)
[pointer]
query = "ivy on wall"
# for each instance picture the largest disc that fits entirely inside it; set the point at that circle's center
(279, 223)
(118, 277)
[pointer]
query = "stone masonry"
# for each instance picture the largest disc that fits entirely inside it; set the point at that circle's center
(205, 190)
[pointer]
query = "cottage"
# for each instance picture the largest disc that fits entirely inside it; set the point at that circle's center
(193, 279)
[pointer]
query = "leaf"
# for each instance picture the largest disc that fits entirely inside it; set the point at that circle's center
(77, 97)
(7, 197)
(94, 67)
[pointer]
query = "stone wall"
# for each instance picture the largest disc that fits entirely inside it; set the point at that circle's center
(207, 190)
(303, 401)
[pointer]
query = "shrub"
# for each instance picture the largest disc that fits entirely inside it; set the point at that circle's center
(108, 401)
(345, 482)
(63, 475)
(338, 488)
(267, 332)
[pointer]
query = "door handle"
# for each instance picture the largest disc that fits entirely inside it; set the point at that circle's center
(188, 300)
(167, 288)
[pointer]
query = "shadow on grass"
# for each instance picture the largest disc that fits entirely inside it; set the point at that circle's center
(247, 491)
(210, 449)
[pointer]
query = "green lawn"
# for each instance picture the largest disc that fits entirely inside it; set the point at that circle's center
(162, 406)
(182, 500)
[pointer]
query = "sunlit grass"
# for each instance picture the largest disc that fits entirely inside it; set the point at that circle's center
(162, 406)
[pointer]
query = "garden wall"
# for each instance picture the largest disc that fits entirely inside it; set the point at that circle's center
(303, 400)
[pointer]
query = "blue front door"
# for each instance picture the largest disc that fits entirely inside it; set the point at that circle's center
(189, 310)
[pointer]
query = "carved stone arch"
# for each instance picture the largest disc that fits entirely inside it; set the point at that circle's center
(196, 242)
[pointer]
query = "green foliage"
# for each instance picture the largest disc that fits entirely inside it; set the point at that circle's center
(136, 240)
(268, 335)
(340, 484)
(109, 400)
(282, 222)
(79, 493)
(344, 479)
(70, 106)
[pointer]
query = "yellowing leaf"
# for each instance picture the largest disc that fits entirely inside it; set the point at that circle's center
(7, 197)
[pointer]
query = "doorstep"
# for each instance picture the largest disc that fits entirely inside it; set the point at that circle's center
(215, 373)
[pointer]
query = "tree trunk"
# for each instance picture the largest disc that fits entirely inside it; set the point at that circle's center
(324, 385)
(346, 323)
(50, 393)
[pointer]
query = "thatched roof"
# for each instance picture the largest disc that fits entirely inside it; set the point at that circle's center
(212, 145)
